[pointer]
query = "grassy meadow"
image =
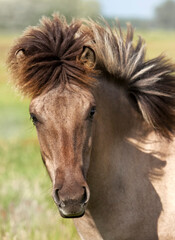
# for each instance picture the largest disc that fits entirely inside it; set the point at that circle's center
(27, 211)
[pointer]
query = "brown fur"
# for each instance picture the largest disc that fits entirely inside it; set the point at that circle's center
(51, 52)
(113, 155)
(150, 84)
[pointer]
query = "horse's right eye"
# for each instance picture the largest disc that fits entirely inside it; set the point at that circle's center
(33, 118)
(92, 112)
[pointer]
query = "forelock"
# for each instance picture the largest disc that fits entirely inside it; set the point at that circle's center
(51, 56)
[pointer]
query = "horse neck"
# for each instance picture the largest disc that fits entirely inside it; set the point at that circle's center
(122, 168)
(122, 142)
(116, 122)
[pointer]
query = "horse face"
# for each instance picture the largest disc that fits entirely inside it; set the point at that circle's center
(64, 121)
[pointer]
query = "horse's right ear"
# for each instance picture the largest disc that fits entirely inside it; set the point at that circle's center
(87, 57)
(20, 54)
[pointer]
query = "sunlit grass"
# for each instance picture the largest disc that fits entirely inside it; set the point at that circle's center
(158, 42)
(27, 211)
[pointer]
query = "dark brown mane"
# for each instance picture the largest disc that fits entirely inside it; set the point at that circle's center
(51, 53)
(51, 56)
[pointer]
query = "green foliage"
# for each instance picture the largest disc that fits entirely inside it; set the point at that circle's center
(164, 18)
(17, 14)
(165, 14)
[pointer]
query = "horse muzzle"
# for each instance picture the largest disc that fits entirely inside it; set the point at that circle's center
(71, 204)
(71, 209)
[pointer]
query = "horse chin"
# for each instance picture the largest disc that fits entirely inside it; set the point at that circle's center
(71, 215)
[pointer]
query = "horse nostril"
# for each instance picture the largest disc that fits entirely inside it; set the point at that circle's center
(56, 196)
(64, 198)
(86, 195)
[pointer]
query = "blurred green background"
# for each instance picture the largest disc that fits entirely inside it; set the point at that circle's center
(27, 211)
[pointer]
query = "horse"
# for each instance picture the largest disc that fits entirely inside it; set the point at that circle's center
(105, 119)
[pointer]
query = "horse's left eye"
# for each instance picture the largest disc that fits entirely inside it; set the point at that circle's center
(92, 112)
(34, 118)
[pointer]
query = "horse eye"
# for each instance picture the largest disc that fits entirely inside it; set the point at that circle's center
(92, 112)
(33, 118)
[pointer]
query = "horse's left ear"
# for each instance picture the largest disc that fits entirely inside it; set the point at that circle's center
(20, 54)
(87, 57)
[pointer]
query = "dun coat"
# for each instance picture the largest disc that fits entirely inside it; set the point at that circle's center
(105, 118)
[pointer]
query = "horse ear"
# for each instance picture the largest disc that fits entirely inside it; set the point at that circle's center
(20, 54)
(87, 57)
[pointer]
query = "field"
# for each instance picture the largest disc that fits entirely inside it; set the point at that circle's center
(27, 210)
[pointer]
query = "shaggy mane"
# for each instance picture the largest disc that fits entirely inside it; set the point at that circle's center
(51, 52)
(150, 84)
(52, 56)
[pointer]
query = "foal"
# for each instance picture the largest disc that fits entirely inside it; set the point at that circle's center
(104, 117)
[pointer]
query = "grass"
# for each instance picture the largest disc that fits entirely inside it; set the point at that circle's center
(159, 42)
(26, 209)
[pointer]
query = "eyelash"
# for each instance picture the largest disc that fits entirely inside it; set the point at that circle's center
(33, 118)
(92, 112)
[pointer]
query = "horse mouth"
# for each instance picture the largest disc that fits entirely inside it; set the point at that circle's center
(71, 215)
